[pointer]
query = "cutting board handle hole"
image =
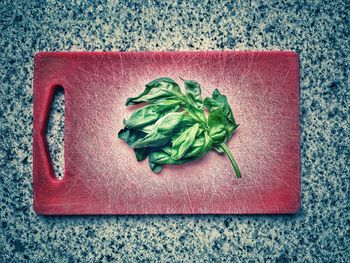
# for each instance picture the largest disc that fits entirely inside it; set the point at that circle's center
(55, 132)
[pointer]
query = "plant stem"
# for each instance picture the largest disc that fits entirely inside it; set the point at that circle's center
(232, 160)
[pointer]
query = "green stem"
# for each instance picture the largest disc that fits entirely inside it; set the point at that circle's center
(232, 160)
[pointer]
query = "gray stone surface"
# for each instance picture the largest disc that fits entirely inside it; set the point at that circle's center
(318, 30)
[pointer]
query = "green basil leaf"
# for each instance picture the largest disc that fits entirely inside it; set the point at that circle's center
(183, 142)
(156, 90)
(169, 102)
(148, 114)
(218, 133)
(162, 131)
(216, 117)
(220, 101)
(130, 136)
(187, 121)
(200, 147)
(147, 129)
(167, 149)
(193, 93)
(196, 114)
(155, 167)
(142, 153)
(162, 157)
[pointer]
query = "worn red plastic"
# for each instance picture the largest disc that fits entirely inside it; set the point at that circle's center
(101, 174)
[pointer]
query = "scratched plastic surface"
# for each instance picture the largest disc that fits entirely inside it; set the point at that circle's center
(101, 173)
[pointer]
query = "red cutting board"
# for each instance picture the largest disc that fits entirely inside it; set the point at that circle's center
(101, 174)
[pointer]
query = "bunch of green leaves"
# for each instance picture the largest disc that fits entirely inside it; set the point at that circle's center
(173, 128)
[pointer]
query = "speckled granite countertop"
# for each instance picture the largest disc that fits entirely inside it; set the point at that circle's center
(318, 31)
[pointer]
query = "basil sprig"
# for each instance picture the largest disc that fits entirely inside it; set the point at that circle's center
(173, 127)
